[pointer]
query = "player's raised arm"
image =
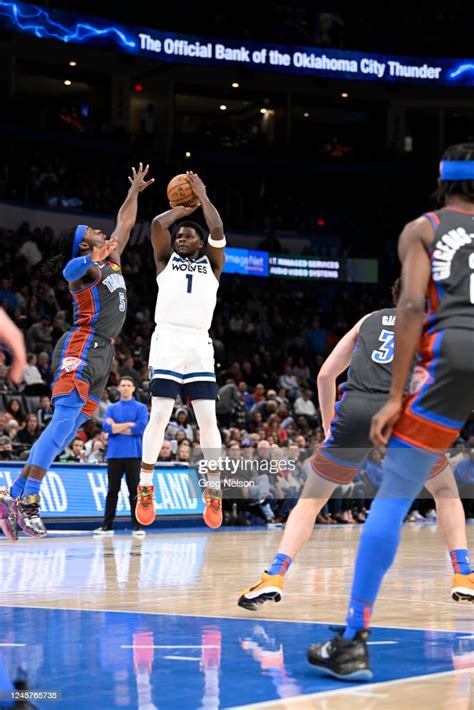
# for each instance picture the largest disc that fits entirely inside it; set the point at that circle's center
(160, 233)
(338, 361)
(216, 241)
(127, 214)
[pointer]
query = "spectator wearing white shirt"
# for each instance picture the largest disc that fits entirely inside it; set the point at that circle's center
(34, 383)
(31, 253)
(304, 407)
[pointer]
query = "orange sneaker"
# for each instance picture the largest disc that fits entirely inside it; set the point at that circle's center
(145, 508)
(462, 587)
(213, 512)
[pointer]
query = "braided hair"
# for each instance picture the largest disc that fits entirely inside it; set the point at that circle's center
(459, 188)
(396, 290)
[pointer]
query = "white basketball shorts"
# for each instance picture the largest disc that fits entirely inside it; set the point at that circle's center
(182, 362)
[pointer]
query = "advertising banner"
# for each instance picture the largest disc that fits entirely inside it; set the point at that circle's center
(79, 490)
(73, 28)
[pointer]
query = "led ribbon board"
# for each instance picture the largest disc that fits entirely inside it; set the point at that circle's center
(247, 262)
(288, 59)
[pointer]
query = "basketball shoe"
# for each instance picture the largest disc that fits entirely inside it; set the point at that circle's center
(345, 659)
(269, 588)
(462, 587)
(27, 510)
(145, 508)
(212, 515)
(7, 516)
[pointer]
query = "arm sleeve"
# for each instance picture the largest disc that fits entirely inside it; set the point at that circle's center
(105, 425)
(142, 420)
(76, 268)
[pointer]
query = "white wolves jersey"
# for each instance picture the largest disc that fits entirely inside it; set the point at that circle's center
(187, 293)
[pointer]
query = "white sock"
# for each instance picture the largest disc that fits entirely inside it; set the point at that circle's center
(146, 478)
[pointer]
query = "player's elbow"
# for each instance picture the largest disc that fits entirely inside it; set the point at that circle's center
(324, 377)
(412, 305)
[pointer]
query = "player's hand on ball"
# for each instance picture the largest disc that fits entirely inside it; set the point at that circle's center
(197, 185)
(383, 423)
(137, 181)
(182, 211)
(101, 253)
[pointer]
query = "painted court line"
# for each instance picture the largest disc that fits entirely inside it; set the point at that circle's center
(175, 646)
(350, 691)
(220, 616)
(4, 645)
(181, 658)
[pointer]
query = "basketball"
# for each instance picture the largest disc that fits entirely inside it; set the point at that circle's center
(180, 192)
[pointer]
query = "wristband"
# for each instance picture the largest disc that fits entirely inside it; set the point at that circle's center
(218, 243)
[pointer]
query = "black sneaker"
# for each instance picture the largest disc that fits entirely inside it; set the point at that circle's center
(28, 517)
(345, 659)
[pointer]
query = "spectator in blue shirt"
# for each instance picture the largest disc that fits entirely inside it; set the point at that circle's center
(125, 422)
(317, 338)
(464, 475)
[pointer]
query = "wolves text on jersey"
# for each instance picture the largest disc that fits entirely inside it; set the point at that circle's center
(190, 267)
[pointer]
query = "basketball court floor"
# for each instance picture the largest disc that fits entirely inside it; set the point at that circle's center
(153, 623)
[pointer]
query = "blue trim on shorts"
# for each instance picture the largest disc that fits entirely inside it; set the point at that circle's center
(169, 372)
(199, 374)
(436, 418)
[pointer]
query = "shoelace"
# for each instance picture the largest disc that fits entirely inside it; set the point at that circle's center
(30, 511)
(214, 502)
(145, 496)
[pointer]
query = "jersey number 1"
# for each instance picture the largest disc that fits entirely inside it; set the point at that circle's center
(384, 354)
(189, 278)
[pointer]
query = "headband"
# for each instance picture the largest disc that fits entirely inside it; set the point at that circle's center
(78, 238)
(456, 170)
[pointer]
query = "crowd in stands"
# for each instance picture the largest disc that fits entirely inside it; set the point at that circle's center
(269, 345)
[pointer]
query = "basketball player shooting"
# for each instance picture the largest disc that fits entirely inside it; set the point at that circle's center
(188, 269)
(83, 357)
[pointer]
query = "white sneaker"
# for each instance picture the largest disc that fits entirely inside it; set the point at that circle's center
(139, 533)
(431, 515)
(274, 526)
(418, 516)
(102, 532)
